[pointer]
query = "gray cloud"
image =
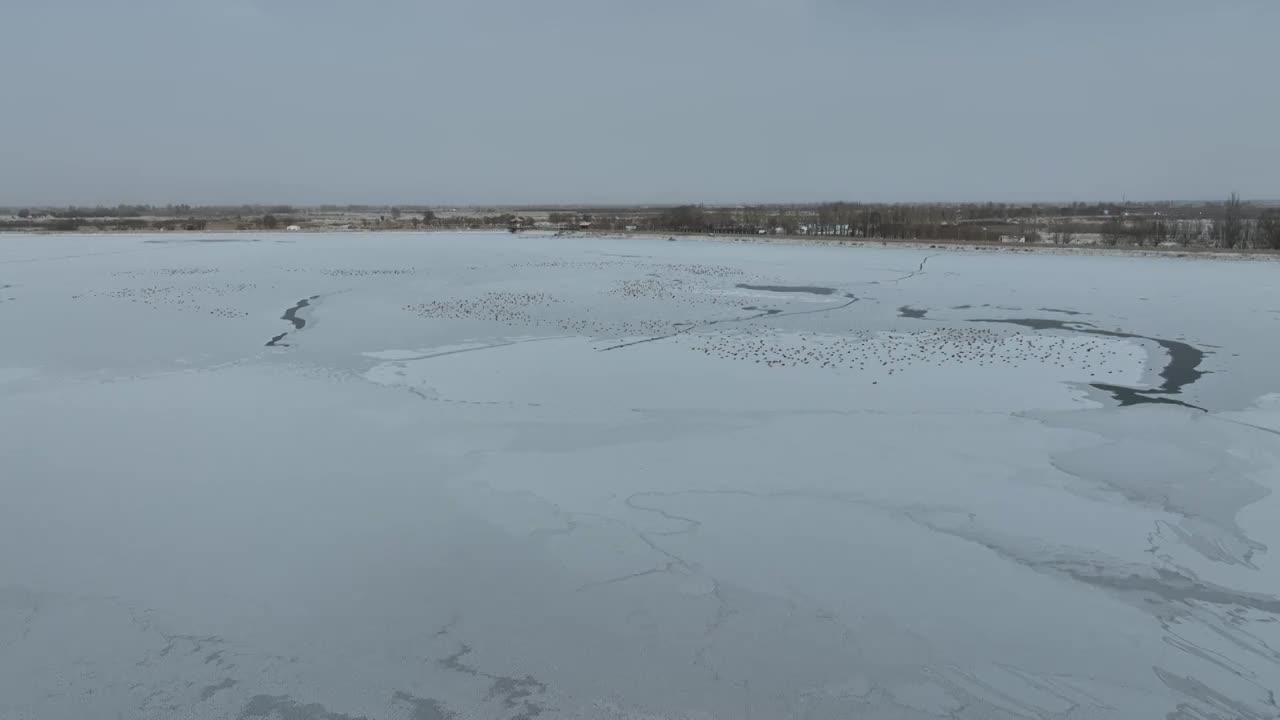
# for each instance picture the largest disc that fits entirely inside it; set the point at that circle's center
(616, 100)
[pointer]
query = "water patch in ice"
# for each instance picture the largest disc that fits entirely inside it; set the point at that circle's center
(291, 315)
(1181, 370)
(425, 708)
(210, 690)
(283, 707)
(518, 695)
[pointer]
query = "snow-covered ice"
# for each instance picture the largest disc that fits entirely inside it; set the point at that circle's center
(420, 477)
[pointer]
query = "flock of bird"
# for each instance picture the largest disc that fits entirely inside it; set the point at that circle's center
(718, 271)
(696, 288)
(571, 265)
(516, 309)
(165, 272)
(650, 288)
(894, 352)
(679, 291)
(357, 272)
(613, 327)
(189, 298)
(505, 307)
(688, 285)
(696, 269)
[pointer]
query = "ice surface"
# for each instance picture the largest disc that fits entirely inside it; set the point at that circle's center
(484, 476)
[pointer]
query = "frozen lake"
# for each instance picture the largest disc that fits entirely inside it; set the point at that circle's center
(433, 477)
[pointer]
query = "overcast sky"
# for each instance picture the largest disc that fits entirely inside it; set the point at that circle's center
(587, 101)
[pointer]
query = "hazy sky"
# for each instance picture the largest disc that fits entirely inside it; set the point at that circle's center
(479, 101)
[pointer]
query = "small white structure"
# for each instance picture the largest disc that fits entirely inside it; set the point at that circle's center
(293, 228)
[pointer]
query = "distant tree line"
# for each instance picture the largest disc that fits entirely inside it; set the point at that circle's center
(137, 211)
(1231, 225)
(74, 224)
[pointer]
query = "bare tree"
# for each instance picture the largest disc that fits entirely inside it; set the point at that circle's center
(1269, 230)
(1112, 231)
(1232, 230)
(688, 218)
(1143, 231)
(1183, 233)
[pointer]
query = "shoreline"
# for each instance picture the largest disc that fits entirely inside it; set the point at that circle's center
(1195, 252)
(1208, 253)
